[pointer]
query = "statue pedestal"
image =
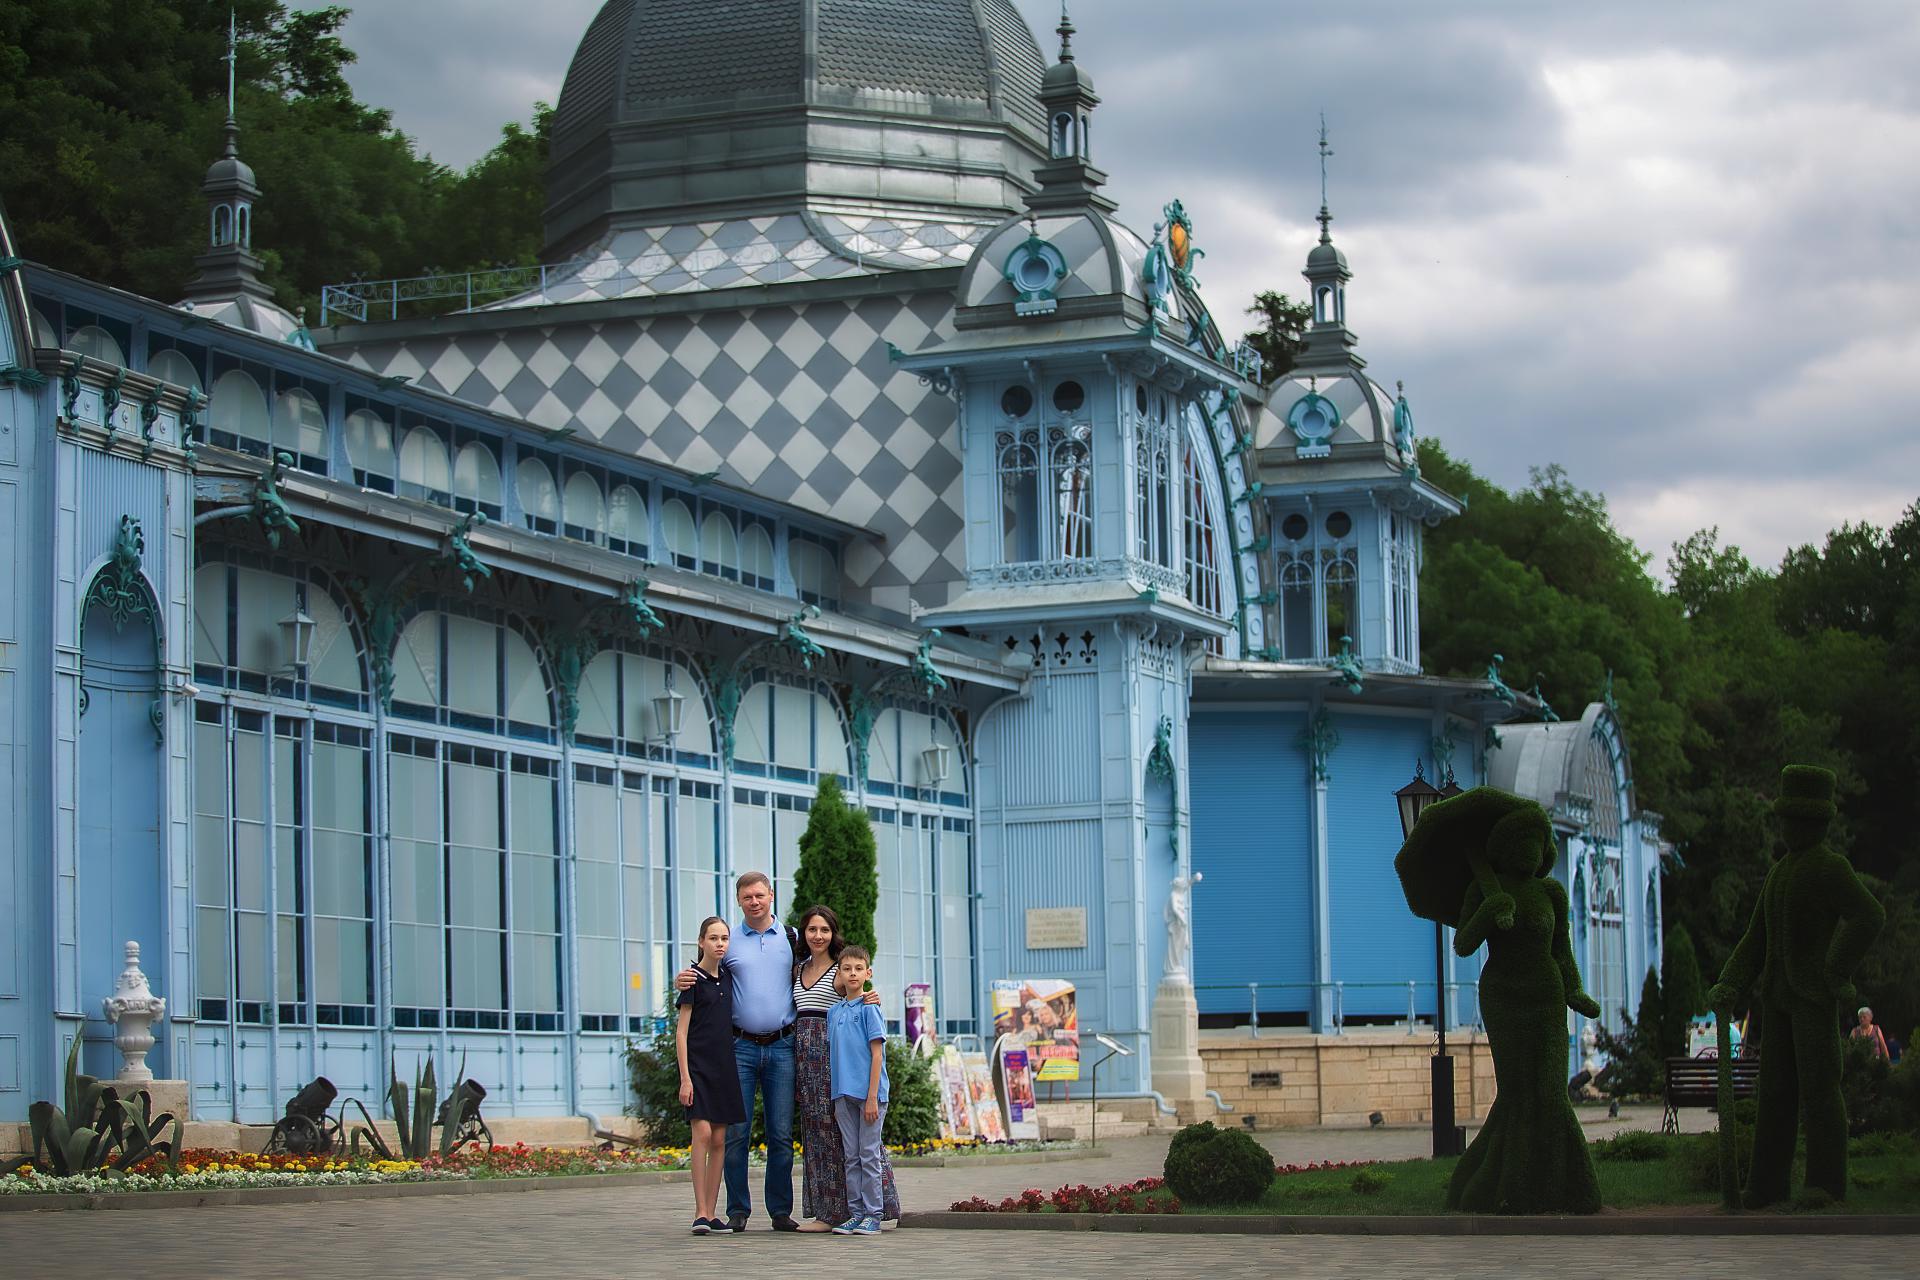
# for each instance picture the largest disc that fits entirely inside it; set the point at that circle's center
(1179, 1075)
(169, 1096)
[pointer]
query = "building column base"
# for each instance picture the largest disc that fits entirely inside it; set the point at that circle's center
(1179, 1075)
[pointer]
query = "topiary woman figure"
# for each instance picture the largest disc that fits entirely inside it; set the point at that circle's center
(1531, 1155)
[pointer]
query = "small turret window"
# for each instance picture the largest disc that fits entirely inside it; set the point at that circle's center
(1323, 308)
(1071, 464)
(1017, 401)
(1342, 582)
(222, 225)
(1069, 396)
(1018, 465)
(1294, 527)
(1339, 524)
(243, 223)
(1063, 135)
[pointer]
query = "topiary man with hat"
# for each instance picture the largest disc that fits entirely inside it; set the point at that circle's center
(1813, 924)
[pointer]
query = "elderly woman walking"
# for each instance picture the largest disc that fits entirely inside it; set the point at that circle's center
(824, 1172)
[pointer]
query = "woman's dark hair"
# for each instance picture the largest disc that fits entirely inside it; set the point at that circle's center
(835, 945)
(700, 938)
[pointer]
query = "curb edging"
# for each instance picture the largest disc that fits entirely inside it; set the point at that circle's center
(1622, 1224)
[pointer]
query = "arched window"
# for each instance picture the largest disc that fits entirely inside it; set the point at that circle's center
(1070, 465)
(1062, 135)
(1018, 464)
(619, 709)
(243, 220)
(676, 533)
(43, 331)
(628, 527)
(816, 577)
(1296, 609)
(424, 472)
(584, 510)
(173, 366)
(756, 556)
(300, 428)
(473, 672)
(789, 731)
(222, 225)
(1323, 305)
(241, 640)
(237, 413)
(96, 344)
(476, 478)
(370, 450)
(1342, 583)
(539, 499)
(719, 549)
(1203, 551)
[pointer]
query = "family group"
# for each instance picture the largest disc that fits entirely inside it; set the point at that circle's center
(788, 1014)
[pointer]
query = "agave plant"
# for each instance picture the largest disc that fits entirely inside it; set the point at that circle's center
(415, 1123)
(97, 1131)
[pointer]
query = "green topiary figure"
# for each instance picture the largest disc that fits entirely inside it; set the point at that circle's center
(1495, 851)
(1813, 924)
(839, 866)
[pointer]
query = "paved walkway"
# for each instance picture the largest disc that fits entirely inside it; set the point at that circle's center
(639, 1231)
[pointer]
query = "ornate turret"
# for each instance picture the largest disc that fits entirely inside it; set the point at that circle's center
(1329, 341)
(228, 286)
(1068, 180)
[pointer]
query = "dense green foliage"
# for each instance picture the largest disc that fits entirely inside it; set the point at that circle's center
(1282, 335)
(1206, 1165)
(913, 1097)
(1880, 1098)
(839, 865)
(111, 111)
(1636, 1068)
(653, 1081)
(1721, 677)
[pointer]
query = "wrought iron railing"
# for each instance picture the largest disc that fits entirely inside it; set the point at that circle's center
(1332, 997)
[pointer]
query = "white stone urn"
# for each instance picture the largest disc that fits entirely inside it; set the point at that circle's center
(133, 1009)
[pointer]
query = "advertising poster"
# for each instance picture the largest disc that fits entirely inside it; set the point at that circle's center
(1016, 1080)
(958, 1119)
(919, 1017)
(988, 1124)
(1040, 1015)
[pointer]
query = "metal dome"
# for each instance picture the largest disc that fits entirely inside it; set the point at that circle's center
(679, 110)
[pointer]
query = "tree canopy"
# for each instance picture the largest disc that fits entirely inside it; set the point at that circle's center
(1721, 678)
(111, 111)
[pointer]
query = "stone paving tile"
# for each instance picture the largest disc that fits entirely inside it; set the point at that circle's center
(641, 1231)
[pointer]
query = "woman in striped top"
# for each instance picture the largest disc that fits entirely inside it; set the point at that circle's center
(824, 1173)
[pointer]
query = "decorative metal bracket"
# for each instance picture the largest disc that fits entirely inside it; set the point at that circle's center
(270, 510)
(70, 394)
(1606, 693)
(1500, 689)
(110, 399)
(573, 648)
(1320, 738)
(459, 554)
(1160, 757)
(931, 681)
(794, 635)
(1547, 713)
(1347, 669)
(149, 418)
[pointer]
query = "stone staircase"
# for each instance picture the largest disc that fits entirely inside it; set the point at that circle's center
(1119, 1118)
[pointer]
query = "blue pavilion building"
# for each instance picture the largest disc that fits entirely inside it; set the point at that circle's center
(417, 683)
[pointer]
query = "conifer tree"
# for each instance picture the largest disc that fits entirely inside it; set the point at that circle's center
(839, 866)
(1683, 993)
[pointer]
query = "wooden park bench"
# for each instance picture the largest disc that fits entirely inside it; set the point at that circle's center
(1695, 1082)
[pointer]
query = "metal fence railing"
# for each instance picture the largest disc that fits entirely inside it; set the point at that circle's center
(1330, 999)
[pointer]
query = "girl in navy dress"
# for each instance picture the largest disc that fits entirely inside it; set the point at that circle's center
(709, 1085)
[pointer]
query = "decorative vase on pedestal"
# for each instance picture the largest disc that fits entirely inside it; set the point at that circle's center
(133, 1009)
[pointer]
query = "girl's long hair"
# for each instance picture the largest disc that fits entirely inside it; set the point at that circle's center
(700, 938)
(835, 944)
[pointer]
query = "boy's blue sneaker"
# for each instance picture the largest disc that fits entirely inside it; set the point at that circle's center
(850, 1227)
(866, 1227)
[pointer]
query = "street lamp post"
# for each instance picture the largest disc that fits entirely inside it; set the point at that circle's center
(1413, 800)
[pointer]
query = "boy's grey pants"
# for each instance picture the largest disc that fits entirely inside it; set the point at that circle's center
(860, 1142)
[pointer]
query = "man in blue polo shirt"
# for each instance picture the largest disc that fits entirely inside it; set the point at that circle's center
(760, 959)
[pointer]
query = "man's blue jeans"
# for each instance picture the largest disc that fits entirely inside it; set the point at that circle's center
(769, 1070)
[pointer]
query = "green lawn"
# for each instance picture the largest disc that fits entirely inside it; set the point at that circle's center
(1673, 1174)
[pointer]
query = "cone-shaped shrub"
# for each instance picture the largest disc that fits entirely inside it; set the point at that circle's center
(839, 866)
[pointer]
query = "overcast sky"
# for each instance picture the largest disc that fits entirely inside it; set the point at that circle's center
(1670, 246)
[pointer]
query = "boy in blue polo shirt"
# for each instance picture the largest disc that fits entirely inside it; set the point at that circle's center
(856, 1045)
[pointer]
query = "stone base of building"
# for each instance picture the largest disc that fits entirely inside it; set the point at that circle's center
(1294, 1078)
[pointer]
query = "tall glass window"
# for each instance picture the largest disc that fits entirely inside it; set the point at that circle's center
(1296, 609)
(1342, 579)
(1018, 454)
(370, 450)
(1070, 468)
(1203, 552)
(629, 528)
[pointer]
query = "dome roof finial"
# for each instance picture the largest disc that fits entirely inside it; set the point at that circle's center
(1326, 218)
(1066, 30)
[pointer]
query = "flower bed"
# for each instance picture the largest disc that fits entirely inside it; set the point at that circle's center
(1148, 1195)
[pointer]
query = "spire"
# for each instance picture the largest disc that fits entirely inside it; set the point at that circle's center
(1326, 236)
(229, 268)
(1068, 180)
(1329, 341)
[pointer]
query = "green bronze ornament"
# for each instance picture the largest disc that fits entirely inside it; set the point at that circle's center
(1500, 689)
(70, 394)
(1160, 758)
(110, 398)
(931, 681)
(725, 682)
(119, 587)
(459, 555)
(795, 637)
(269, 508)
(149, 418)
(1347, 669)
(381, 606)
(1320, 738)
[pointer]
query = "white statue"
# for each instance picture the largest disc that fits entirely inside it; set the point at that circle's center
(1179, 926)
(1590, 1049)
(133, 1009)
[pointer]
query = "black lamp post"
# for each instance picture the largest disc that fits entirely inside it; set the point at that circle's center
(1413, 799)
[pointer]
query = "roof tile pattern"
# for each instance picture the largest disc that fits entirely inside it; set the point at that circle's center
(799, 403)
(716, 49)
(902, 44)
